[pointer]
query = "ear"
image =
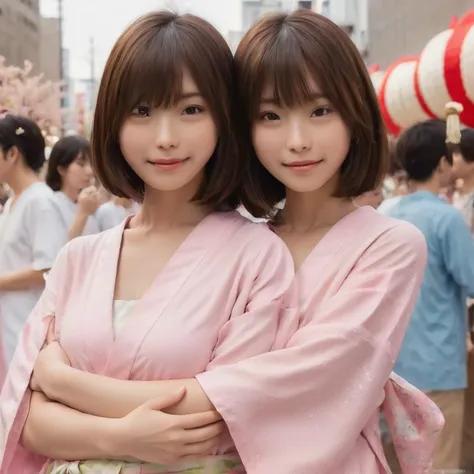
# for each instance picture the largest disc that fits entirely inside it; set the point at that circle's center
(444, 165)
(13, 155)
(61, 171)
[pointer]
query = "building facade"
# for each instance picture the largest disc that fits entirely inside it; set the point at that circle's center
(403, 27)
(252, 10)
(20, 31)
(351, 15)
(50, 49)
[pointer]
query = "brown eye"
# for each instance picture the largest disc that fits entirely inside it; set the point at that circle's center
(141, 111)
(321, 111)
(192, 110)
(269, 116)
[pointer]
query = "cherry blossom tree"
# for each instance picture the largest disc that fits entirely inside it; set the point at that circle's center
(32, 96)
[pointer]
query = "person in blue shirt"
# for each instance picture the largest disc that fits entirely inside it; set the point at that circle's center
(434, 353)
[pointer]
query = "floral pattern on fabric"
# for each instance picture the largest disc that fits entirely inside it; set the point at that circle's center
(414, 422)
(211, 465)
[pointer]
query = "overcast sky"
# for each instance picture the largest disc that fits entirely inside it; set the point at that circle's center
(104, 20)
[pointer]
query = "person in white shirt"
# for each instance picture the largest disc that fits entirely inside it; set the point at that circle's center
(71, 177)
(29, 232)
(115, 211)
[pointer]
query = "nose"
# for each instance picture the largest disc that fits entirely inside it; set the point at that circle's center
(167, 136)
(88, 170)
(298, 138)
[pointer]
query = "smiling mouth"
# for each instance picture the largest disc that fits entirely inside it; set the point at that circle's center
(302, 165)
(169, 164)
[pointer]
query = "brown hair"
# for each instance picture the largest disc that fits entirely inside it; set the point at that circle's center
(146, 66)
(281, 51)
(466, 147)
(64, 153)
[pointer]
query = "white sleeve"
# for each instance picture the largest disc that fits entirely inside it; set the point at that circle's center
(47, 235)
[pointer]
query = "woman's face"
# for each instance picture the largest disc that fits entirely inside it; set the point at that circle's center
(168, 148)
(78, 175)
(303, 147)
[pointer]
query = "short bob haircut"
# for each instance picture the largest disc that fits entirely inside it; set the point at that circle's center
(26, 136)
(65, 151)
(281, 51)
(146, 66)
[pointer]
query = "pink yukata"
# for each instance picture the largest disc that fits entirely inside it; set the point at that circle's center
(224, 296)
(314, 407)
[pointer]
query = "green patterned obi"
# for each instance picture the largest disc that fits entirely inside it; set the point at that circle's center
(226, 464)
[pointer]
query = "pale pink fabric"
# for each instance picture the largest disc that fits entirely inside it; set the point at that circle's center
(224, 296)
(414, 422)
(314, 407)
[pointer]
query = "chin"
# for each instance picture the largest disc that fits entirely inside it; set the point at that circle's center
(303, 186)
(166, 185)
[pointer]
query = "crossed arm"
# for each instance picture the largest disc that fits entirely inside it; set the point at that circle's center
(77, 415)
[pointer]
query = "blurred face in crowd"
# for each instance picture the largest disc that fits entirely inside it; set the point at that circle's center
(462, 169)
(78, 175)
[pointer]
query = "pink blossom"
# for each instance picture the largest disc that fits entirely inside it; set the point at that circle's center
(22, 93)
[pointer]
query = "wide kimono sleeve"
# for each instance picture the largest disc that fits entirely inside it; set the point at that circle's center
(266, 313)
(303, 408)
(15, 395)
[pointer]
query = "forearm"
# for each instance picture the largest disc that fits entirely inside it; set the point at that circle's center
(113, 398)
(59, 432)
(78, 225)
(22, 280)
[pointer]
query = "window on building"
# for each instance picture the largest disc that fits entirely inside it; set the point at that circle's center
(307, 5)
(325, 7)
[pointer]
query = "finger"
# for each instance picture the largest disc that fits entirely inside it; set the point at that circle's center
(199, 435)
(204, 448)
(164, 401)
(197, 420)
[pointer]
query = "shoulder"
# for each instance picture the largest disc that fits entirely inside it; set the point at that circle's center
(260, 234)
(87, 247)
(394, 242)
(41, 199)
(451, 215)
(258, 241)
(105, 208)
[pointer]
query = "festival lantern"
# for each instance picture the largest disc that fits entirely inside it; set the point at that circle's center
(397, 96)
(430, 79)
(459, 67)
(445, 71)
(376, 76)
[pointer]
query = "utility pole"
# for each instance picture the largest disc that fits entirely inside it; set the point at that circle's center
(61, 58)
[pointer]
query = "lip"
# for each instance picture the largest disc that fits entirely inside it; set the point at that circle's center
(169, 163)
(302, 165)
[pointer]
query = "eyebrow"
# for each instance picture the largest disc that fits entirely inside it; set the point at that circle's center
(190, 95)
(273, 101)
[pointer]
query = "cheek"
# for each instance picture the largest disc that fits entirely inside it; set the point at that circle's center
(266, 144)
(337, 139)
(206, 134)
(130, 141)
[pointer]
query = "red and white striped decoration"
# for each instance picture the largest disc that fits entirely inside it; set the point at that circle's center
(415, 89)
(398, 98)
(459, 67)
(376, 76)
(430, 80)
